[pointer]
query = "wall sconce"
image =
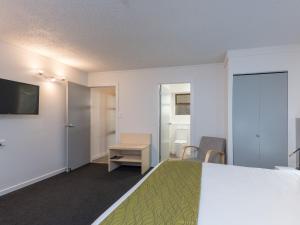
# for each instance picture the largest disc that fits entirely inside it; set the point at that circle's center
(51, 78)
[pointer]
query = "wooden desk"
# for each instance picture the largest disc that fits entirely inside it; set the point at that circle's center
(132, 154)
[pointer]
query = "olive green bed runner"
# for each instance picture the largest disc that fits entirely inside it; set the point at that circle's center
(169, 196)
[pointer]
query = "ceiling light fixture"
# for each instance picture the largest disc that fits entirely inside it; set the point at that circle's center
(52, 78)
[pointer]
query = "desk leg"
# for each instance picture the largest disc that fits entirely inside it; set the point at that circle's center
(145, 160)
(111, 165)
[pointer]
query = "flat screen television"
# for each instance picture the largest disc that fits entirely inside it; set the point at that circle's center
(18, 98)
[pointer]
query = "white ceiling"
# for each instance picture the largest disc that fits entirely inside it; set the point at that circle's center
(100, 35)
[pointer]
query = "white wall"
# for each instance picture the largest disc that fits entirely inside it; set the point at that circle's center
(35, 144)
(139, 99)
(272, 59)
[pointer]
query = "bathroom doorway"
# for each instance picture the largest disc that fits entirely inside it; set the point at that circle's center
(175, 119)
(103, 122)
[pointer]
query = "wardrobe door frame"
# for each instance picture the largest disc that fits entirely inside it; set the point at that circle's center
(259, 128)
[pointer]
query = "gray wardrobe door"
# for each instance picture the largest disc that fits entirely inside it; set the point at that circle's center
(246, 120)
(260, 120)
(273, 120)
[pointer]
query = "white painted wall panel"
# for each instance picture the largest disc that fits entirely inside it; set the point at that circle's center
(35, 144)
(269, 59)
(139, 99)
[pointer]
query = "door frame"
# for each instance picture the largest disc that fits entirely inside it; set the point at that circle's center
(192, 108)
(66, 126)
(116, 85)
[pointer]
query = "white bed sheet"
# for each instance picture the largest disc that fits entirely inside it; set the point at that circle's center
(232, 195)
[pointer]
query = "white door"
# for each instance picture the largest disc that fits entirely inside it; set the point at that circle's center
(165, 121)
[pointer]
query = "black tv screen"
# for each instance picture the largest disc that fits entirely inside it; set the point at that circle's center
(18, 98)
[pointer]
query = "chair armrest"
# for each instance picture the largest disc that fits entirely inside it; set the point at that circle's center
(211, 152)
(186, 147)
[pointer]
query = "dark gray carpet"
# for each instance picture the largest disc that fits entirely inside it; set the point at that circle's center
(77, 198)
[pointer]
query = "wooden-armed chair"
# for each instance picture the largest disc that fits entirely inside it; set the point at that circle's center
(211, 149)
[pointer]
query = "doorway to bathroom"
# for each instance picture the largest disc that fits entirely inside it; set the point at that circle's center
(175, 119)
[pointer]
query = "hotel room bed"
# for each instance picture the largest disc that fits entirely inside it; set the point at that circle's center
(223, 194)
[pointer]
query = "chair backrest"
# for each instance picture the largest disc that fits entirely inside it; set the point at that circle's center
(135, 138)
(211, 143)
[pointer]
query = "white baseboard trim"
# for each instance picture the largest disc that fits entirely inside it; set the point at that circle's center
(97, 156)
(94, 157)
(31, 181)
